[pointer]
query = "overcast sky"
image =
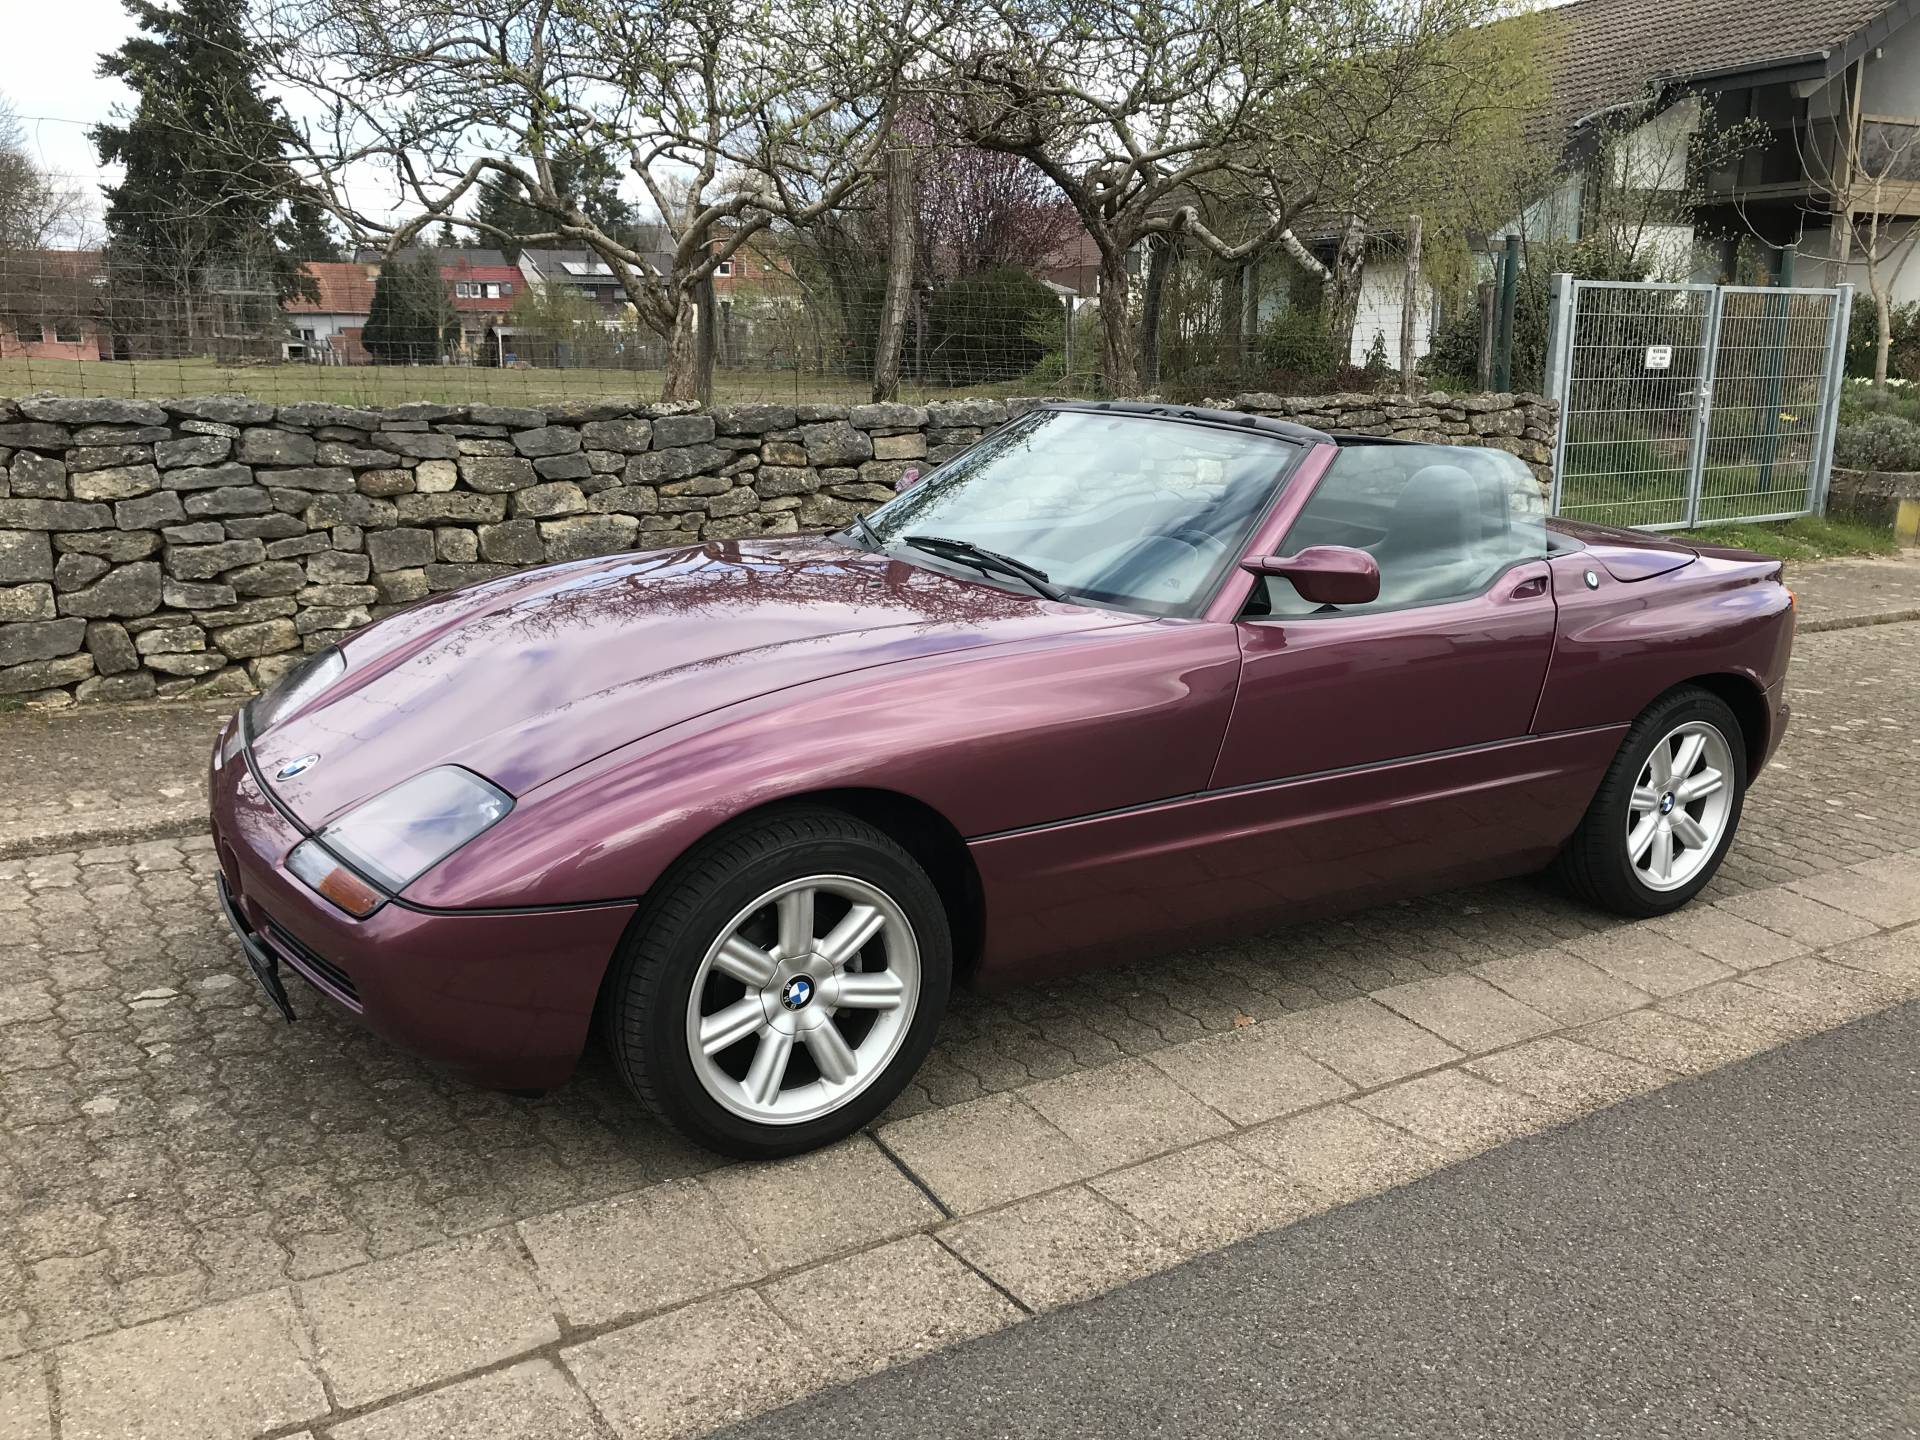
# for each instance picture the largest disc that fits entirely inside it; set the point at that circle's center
(52, 47)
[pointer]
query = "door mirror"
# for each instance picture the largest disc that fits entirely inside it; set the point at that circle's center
(1324, 574)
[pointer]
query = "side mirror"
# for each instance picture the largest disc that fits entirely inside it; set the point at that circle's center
(1324, 574)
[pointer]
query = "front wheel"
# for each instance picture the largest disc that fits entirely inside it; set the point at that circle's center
(782, 985)
(1666, 813)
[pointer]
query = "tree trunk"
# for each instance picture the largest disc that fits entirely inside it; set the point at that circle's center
(1160, 261)
(893, 307)
(1410, 306)
(1117, 362)
(1231, 314)
(683, 352)
(1342, 288)
(1249, 308)
(1882, 340)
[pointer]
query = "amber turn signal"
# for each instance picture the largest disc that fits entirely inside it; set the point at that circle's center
(333, 880)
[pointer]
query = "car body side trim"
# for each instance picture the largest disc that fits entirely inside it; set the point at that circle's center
(1258, 786)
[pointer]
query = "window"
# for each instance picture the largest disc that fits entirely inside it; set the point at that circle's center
(506, 289)
(1442, 521)
(1142, 514)
(724, 268)
(462, 290)
(67, 332)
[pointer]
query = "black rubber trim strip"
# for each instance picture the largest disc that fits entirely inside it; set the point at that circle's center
(1256, 786)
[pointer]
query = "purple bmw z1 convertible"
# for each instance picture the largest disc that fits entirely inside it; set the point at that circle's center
(1119, 678)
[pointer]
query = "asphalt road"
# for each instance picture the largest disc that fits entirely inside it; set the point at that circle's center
(1736, 1255)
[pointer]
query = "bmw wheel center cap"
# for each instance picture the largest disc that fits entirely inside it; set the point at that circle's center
(798, 991)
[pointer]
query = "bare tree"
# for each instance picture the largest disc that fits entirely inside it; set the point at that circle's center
(36, 211)
(1868, 171)
(1416, 106)
(726, 122)
(1135, 110)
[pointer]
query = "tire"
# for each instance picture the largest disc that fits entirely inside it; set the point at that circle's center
(693, 972)
(1601, 864)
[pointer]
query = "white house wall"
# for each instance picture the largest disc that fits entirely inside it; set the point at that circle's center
(1383, 284)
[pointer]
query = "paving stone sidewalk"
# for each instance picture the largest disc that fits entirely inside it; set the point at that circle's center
(1834, 594)
(214, 1225)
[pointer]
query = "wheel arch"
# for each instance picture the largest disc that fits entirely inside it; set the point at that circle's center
(921, 830)
(1743, 695)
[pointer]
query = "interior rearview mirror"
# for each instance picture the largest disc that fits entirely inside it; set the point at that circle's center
(1324, 574)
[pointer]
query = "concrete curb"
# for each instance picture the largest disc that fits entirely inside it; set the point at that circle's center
(167, 822)
(1854, 622)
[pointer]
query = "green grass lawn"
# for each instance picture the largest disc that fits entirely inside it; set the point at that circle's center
(1811, 537)
(447, 384)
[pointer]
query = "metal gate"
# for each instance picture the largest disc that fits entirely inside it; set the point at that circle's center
(1686, 405)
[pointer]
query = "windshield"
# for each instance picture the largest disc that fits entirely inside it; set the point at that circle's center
(1123, 510)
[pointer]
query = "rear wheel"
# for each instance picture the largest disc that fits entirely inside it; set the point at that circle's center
(783, 985)
(1666, 813)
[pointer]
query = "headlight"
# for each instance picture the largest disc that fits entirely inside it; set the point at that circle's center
(294, 689)
(395, 838)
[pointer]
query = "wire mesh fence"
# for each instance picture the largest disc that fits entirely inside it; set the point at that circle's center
(1693, 404)
(530, 328)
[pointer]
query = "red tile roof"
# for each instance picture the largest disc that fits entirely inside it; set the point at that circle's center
(346, 288)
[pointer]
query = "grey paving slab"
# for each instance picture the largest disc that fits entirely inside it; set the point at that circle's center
(1568, 1076)
(1648, 960)
(534, 1400)
(1365, 1042)
(1717, 932)
(426, 1317)
(1466, 1012)
(1799, 918)
(1895, 955)
(1760, 1018)
(26, 1404)
(1249, 1074)
(694, 1369)
(1457, 1112)
(986, 1152)
(1562, 986)
(886, 1306)
(1834, 992)
(1670, 1042)
(1060, 1247)
(100, 774)
(1124, 1112)
(639, 1253)
(229, 1370)
(1882, 901)
(1206, 1197)
(1340, 1153)
(793, 1212)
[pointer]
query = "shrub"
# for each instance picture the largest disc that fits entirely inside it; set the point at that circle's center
(982, 327)
(1903, 357)
(1296, 343)
(1878, 442)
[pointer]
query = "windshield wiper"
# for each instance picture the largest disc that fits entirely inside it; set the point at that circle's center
(872, 535)
(985, 559)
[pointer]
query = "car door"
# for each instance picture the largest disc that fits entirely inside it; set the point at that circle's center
(1377, 745)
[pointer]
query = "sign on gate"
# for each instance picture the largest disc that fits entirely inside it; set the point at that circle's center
(1686, 405)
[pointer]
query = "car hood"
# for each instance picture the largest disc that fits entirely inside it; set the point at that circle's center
(1627, 555)
(521, 679)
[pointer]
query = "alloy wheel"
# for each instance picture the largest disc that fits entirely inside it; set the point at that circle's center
(1680, 804)
(803, 999)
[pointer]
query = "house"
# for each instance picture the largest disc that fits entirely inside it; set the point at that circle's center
(52, 306)
(483, 291)
(1826, 91)
(326, 329)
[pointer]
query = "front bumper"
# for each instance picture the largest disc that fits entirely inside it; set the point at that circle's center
(503, 998)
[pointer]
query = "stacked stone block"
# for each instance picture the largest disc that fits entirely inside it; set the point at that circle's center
(200, 546)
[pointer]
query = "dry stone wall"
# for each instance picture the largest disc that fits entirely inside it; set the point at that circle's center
(200, 546)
